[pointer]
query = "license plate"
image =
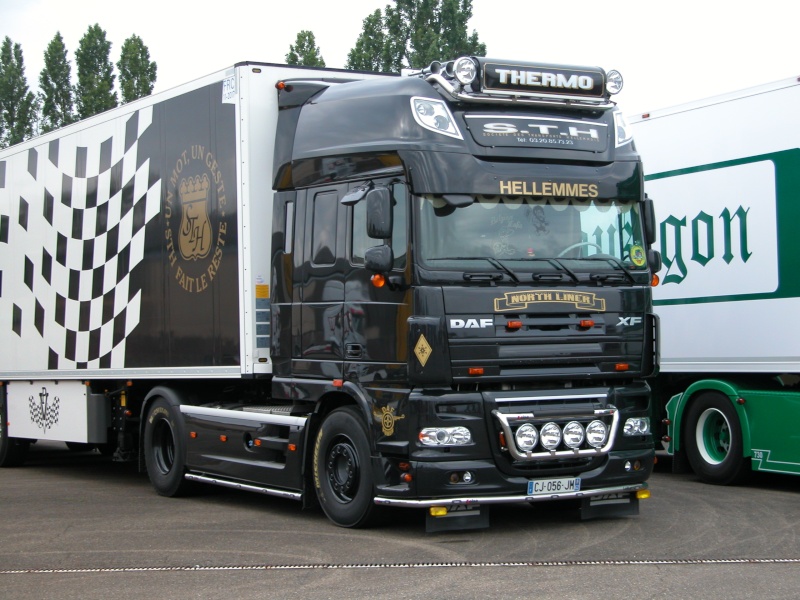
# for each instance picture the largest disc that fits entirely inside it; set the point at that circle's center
(554, 486)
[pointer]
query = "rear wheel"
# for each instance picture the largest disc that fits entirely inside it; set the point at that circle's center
(343, 470)
(714, 440)
(165, 449)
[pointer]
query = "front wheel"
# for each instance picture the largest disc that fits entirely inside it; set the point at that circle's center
(165, 449)
(714, 440)
(343, 469)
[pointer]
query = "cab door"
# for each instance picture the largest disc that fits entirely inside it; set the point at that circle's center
(375, 319)
(319, 282)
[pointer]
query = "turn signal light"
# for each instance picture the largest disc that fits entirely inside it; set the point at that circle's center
(475, 371)
(655, 280)
(378, 280)
(586, 323)
(514, 325)
(223, 438)
(193, 434)
(622, 367)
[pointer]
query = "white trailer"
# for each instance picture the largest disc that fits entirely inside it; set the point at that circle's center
(724, 175)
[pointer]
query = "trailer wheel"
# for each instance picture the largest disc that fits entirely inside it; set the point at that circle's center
(12, 450)
(165, 449)
(713, 437)
(343, 469)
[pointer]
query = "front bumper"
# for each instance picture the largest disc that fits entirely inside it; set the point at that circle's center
(433, 484)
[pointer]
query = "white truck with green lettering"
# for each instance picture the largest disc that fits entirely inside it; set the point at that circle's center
(724, 175)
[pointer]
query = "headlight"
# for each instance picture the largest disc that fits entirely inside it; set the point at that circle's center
(551, 436)
(596, 433)
(613, 82)
(445, 436)
(465, 70)
(621, 129)
(637, 426)
(434, 115)
(573, 434)
(527, 437)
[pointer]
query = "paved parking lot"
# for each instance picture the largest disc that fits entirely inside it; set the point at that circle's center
(75, 525)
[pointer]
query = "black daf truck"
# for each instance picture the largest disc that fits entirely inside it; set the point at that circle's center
(360, 291)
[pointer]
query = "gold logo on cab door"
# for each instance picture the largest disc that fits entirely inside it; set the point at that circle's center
(388, 419)
(422, 350)
(521, 300)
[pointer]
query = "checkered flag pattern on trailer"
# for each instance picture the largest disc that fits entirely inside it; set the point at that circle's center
(72, 226)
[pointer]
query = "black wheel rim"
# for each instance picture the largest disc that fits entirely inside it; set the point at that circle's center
(343, 470)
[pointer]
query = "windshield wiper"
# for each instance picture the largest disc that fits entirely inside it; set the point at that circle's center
(601, 277)
(551, 276)
(492, 261)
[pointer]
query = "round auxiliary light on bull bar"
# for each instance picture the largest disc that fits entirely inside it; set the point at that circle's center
(551, 436)
(465, 70)
(527, 436)
(596, 433)
(573, 435)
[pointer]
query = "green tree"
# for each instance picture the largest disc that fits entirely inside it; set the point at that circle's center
(137, 74)
(414, 33)
(56, 93)
(367, 54)
(95, 90)
(304, 51)
(18, 106)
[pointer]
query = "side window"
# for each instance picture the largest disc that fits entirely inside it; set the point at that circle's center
(323, 229)
(399, 241)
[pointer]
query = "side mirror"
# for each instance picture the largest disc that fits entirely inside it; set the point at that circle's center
(379, 214)
(649, 221)
(654, 260)
(379, 259)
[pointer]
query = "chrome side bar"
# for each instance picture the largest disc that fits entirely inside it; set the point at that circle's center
(244, 487)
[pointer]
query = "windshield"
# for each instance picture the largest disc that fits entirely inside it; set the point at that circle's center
(525, 234)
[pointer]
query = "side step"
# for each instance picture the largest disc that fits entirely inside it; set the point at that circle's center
(236, 485)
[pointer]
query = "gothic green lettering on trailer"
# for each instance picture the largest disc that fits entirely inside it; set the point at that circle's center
(732, 232)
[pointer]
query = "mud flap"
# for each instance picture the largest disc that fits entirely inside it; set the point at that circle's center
(610, 505)
(458, 518)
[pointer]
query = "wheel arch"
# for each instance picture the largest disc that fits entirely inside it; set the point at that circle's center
(678, 404)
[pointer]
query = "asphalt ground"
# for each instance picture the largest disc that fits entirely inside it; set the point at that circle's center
(75, 525)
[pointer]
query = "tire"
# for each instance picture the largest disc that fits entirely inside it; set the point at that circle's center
(13, 451)
(713, 438)
(343, 470)
(165, 449)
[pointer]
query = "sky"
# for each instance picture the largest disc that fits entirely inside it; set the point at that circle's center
(669, 52)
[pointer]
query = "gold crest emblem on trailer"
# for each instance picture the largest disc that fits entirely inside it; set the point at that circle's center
(422, 350)
(195, 227)
(388, 419)
(195, 215)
